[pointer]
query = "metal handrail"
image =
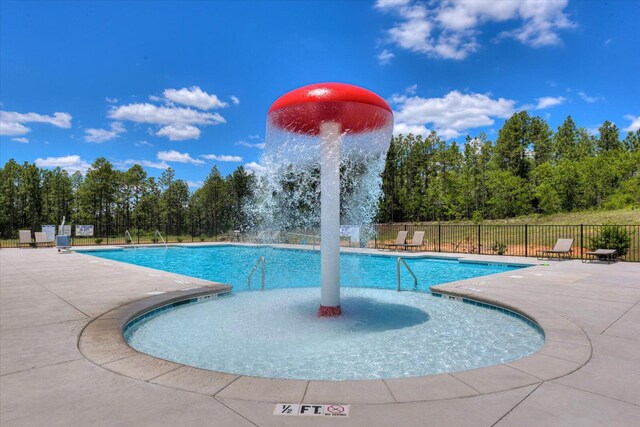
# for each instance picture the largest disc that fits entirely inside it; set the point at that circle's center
(128, 235)
(262, 261)
(415, 279)
(158, 234)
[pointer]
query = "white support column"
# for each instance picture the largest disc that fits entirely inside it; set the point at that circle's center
(330, 219)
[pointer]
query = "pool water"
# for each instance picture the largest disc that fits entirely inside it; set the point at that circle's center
(381, 334)
(286, 268)
(277, 334)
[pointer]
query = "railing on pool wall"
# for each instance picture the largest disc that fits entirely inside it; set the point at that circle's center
(262, 261)
(415, 279)
(129, 238)
(157, 234)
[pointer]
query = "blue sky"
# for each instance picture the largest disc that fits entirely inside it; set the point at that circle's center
(188, 84)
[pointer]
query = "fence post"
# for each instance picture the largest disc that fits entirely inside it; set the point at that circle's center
(526, 240)
(581, 239)
(479, 239)
(439, 237)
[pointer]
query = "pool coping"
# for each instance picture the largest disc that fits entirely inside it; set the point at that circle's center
(459, 257)
(567, 348)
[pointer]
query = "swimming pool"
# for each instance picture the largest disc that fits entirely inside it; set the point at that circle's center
(287, 268)
(381, 334)
(277, 334)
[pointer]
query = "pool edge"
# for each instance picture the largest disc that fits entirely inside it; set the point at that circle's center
(102, 342)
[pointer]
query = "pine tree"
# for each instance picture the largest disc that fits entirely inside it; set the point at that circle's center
(513, 142)
(609, 137)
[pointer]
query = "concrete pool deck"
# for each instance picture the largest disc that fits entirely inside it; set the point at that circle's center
(58, 365)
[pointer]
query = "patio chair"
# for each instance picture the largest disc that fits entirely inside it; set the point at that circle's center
(400, 241)
(561, 250)
(41, 239)
(417, 241)
(24, 237)
(609, 255)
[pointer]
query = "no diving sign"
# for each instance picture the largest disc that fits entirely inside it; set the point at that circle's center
(318, 410)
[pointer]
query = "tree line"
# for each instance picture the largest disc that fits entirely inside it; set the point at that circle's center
(528, 169)
(114, 200)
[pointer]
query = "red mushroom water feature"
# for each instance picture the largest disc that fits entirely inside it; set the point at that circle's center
(330, 110)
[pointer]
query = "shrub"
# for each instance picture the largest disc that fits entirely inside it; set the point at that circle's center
(127, 240)
(154, 239)
(499, 248)
(179, 239)
(98, 241)
(612, 237)
(202, 238)
(477, 217)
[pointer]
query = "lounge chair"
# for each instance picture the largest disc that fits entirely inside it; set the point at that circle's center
(24, 237)
(562, 247)
(41, 239)
(400, 241)
(417, 241)
(609, 255)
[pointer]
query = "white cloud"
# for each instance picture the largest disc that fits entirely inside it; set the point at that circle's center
(179, 132)
(588, 98)
(411, 90)
(548, 101)
(178, 122)
(635, 123)
(254, 136)
(145, 163)
(21, 140)
(103, 135)
(71, 164)
(175, 156)
(11, 122)
(222, 157)
(391, 3)
(111, 100)
(13, 128)
(450, 28)
(194, 97)
(405, 129)
(195, 184)
(450, 115)
(149, 113)
(143, 144)
(252, 167)
(385, 56)
(259, 145)
(235, 100)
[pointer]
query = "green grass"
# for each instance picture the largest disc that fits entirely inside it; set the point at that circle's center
(619, 217)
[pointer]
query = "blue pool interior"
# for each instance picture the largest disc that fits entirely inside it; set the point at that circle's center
(381, 334)
(287, 268)
(277, 334)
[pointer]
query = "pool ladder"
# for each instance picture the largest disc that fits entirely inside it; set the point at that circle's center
(261, 261)
(128, 236)
(400, 262)
(159, 235)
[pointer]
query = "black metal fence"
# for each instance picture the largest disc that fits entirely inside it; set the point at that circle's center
(116, 235)
(515, 240)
